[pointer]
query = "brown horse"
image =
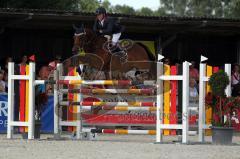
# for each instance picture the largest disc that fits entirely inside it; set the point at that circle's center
(139, 56)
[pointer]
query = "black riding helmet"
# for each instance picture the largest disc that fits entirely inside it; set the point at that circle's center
(101, 10)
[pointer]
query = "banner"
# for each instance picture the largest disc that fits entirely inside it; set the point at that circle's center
(46, 118)
(3, 113)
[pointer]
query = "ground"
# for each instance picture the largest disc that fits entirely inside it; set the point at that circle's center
(114, 146)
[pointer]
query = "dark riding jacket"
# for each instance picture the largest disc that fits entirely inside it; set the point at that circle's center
(110, 26)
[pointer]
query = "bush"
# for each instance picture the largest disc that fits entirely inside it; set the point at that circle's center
(218, 83)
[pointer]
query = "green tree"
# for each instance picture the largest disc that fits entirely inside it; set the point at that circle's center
(234, 9)
(87, 6)
(145, 11)
(218, 8)
(124, 9)
(107, 5)
(160, 12)
(174, 6)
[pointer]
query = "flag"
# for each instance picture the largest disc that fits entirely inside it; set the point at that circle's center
(32, 58)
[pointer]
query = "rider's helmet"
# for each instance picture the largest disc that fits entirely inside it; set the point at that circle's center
(101, 10)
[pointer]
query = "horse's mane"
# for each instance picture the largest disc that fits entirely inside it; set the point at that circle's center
(88, 30)
(94, 42)
(93, 34)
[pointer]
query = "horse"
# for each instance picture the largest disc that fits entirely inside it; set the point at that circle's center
(138, 55)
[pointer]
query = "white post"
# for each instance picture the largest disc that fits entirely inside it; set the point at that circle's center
(228, 92)
(227, 68)
(79, 118)
(60, 97)
(159, 111)
(56, 102)
(185, 102)
(10, 100)
(202, 92)
(31, 115)
(79, 109)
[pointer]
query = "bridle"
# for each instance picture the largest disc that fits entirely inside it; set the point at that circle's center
(82, 37)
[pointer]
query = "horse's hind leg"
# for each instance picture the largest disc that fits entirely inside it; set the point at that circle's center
(107, 76)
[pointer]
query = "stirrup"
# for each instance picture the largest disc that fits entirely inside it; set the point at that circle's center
(123, 57)
(117, 49)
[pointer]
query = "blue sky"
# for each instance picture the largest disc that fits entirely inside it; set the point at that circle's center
(137, 4)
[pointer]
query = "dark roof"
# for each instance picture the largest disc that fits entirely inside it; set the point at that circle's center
(61, 19)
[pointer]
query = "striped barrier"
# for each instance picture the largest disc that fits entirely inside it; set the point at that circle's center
(163, 85)
(133, 104)
(111, 91)
(117, 106)
(99, 82)
(114, 120)
(163, 125)
(120, 131)
(121, 108)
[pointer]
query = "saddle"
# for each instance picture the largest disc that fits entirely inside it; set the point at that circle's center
(118, 51)
(121, 53)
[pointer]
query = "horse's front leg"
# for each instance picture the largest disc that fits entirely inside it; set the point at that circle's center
(108, 74)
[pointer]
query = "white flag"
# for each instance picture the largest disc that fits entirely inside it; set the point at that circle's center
(160, 57)
(203, 58)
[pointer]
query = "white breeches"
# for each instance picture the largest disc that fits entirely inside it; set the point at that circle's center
(115, 38)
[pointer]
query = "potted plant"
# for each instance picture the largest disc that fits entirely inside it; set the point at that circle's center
(222, 108)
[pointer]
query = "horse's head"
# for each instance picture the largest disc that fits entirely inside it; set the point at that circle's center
(82, 37)
(79, 38)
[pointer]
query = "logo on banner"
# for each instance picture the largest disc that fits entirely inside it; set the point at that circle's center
(3, 112)
(3, 108)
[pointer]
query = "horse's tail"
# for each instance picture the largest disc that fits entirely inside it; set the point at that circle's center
(150, 54)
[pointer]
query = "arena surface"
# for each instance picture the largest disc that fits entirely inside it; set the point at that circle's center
(114, 146)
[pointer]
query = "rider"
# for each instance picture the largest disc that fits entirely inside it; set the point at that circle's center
(107, 26)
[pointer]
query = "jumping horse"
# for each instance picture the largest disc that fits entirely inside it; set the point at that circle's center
(97, 56)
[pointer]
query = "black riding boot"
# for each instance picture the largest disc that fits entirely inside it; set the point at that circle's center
(117, 49)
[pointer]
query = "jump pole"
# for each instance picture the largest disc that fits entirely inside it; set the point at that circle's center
(58, 123)
(32, 83)
(185, 102)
